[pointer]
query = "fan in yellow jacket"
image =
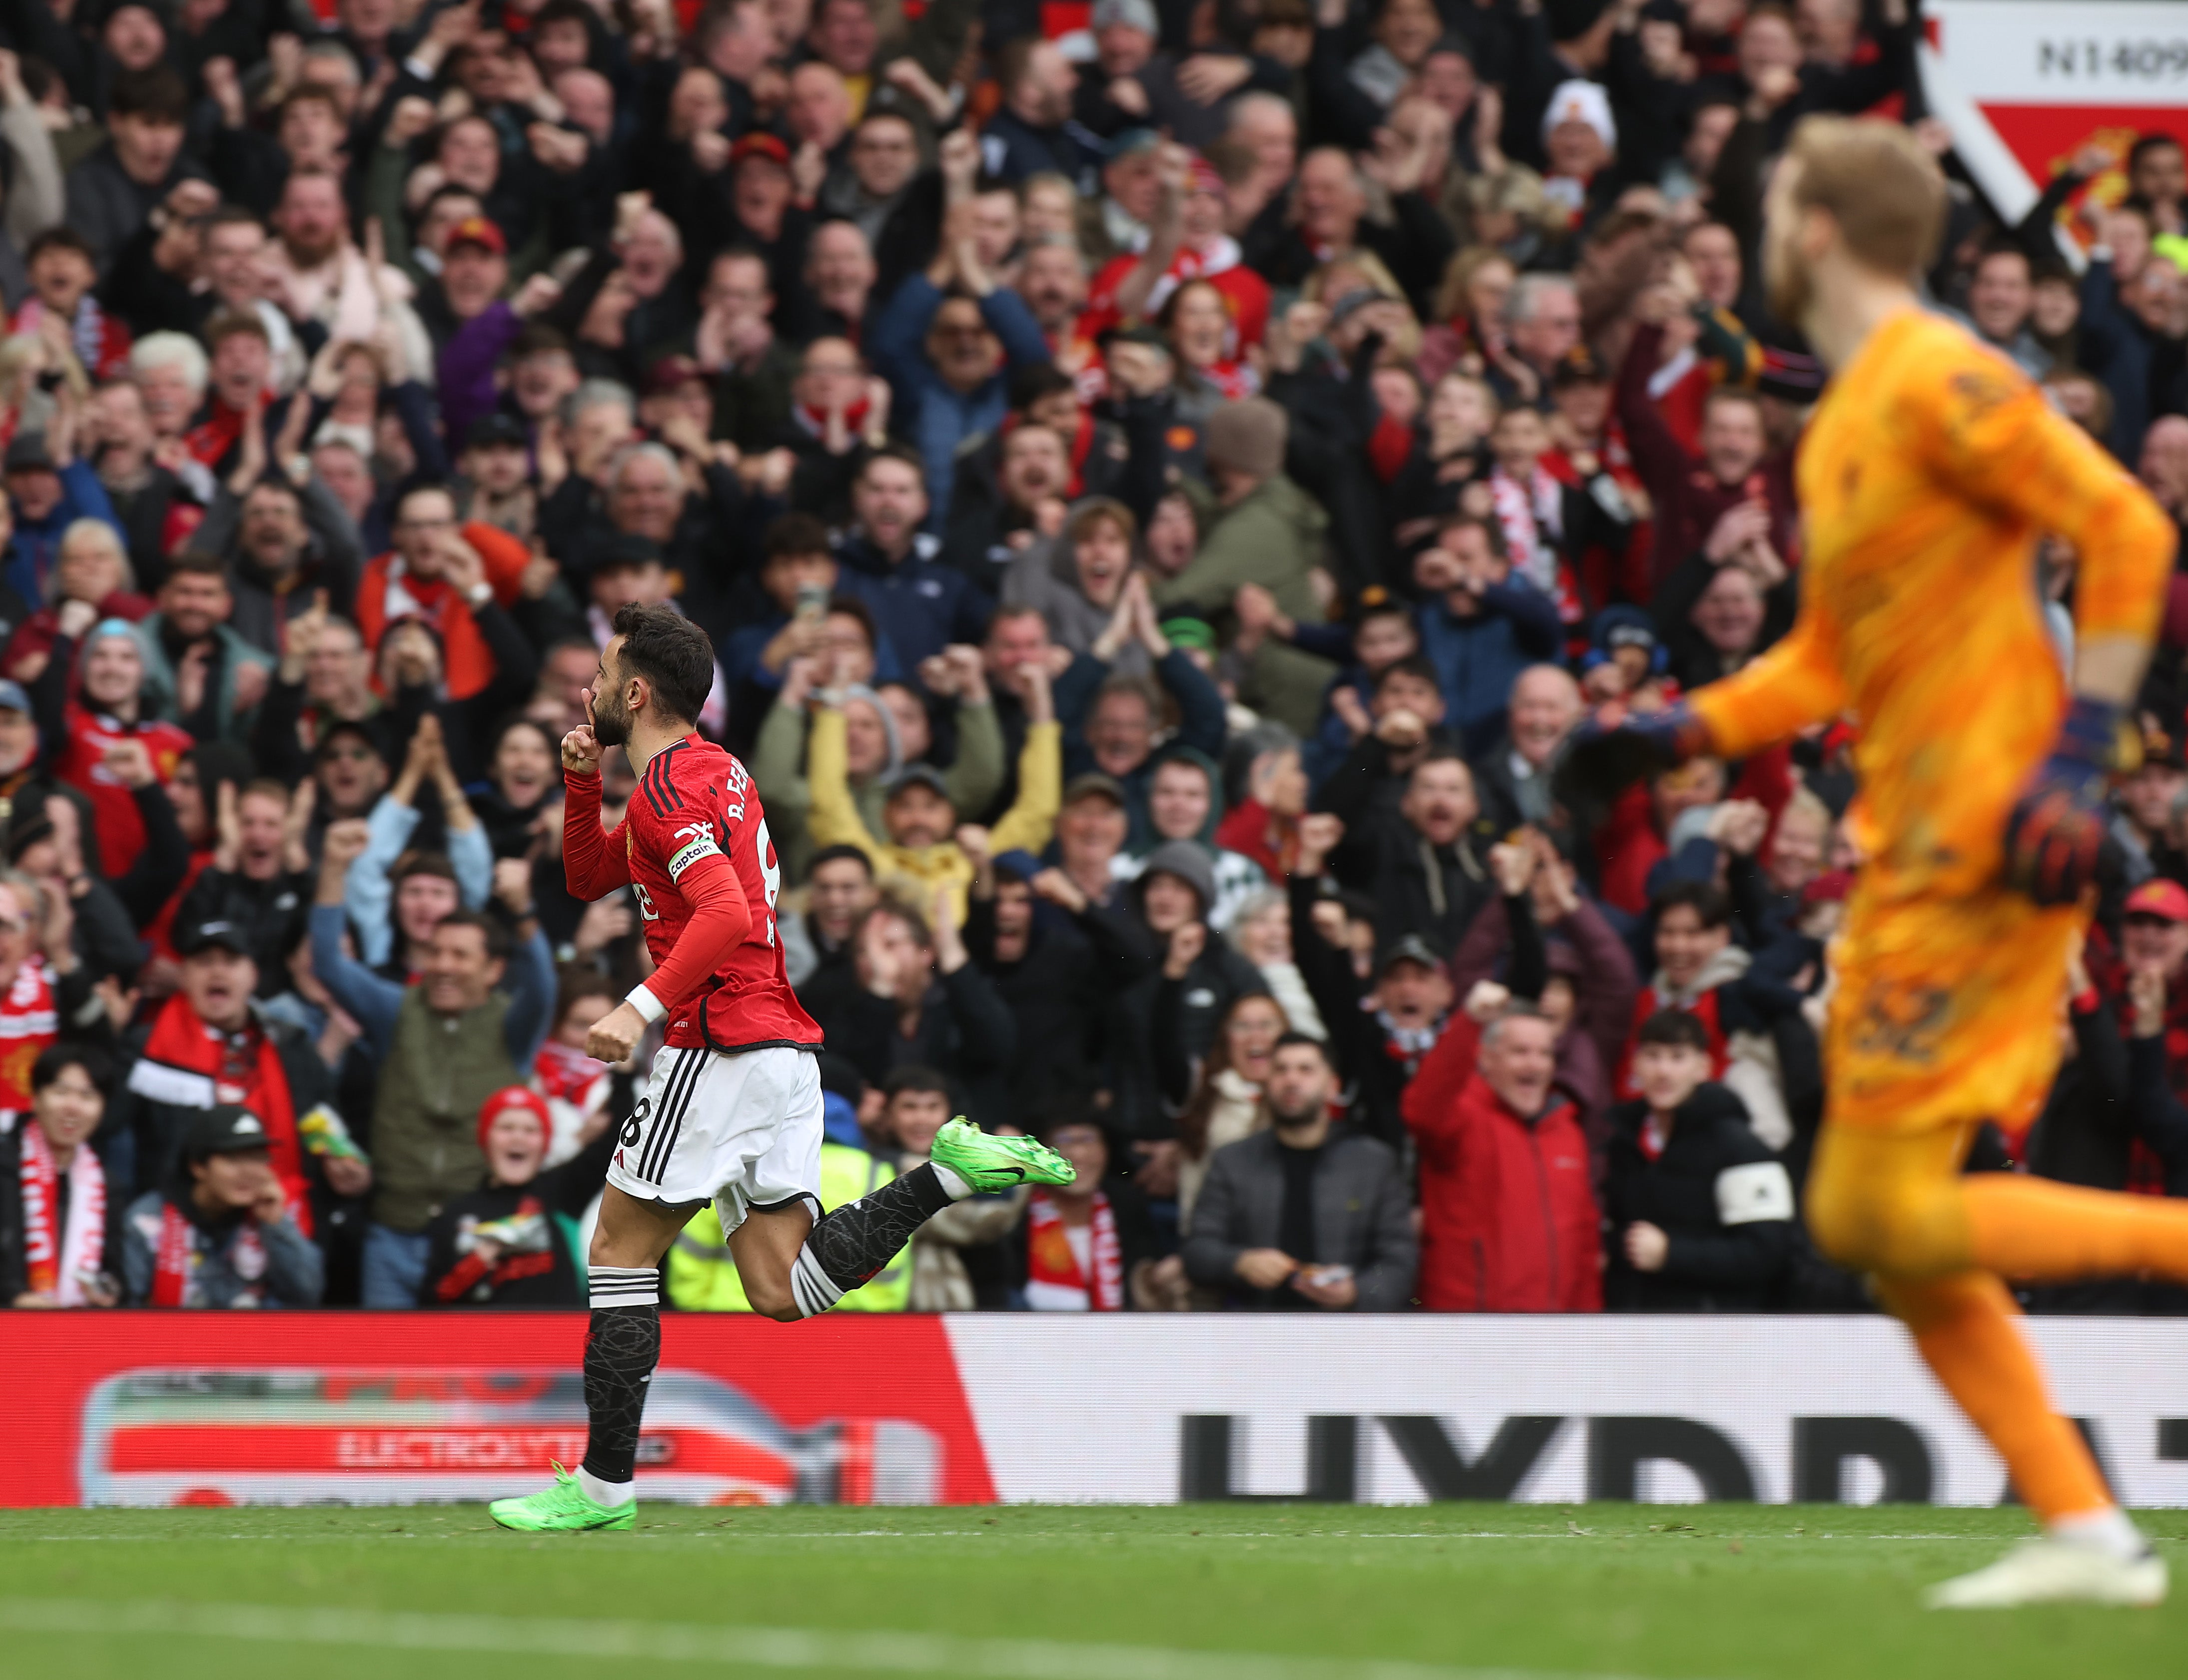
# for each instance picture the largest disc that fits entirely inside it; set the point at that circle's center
(701, 1277)
(921, 846)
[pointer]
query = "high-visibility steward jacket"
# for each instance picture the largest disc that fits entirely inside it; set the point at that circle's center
(702, 1278)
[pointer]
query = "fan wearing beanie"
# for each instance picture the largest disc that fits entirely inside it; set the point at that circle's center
(508, 1243)
(1264, 530)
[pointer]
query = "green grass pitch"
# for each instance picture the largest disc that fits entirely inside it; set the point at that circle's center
(1241, 1592)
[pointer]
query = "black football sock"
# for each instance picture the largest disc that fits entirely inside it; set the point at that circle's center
(851, 1245)
(622, 1347)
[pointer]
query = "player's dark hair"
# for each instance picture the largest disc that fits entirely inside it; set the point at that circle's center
(1414, 665)
(1706, 898)
(1674, 1028)
(793, 537)
(2000, 245)
(56, 1059)
(839, 854)
(925, 1081)
(672, 653)
(495, 935)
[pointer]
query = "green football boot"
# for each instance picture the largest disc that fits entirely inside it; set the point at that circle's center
(992, 1164)
(561, 1509)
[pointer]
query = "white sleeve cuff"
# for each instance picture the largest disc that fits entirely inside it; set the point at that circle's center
(647, 1004)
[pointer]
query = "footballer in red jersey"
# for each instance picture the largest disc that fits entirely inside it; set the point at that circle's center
(731, 1113)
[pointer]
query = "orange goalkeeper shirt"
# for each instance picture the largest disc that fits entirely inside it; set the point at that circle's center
(1928, 473)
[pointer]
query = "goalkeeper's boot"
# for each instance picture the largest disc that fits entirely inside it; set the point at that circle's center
(2054, 1571)
(990, 1164)
(565, 1507)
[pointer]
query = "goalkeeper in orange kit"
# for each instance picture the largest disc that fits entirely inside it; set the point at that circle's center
(1925, 476)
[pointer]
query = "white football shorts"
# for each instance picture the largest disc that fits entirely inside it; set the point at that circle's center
(742, 1131)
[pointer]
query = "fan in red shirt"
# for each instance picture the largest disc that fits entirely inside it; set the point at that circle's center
(1509, 1221)
(1187, 242)
(442, 572)
(732, 1113)
(109, 713)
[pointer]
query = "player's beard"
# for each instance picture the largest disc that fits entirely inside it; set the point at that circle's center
(611, 720)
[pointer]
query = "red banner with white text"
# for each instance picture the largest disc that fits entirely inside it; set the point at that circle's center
(146, 1409)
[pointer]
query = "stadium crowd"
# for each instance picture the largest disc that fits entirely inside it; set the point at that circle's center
(1161, 481)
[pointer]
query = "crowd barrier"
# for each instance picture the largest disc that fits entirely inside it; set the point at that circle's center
(155, 1409)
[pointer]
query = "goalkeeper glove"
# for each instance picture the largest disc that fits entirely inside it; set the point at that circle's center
(1600, 760)
(2055, 833)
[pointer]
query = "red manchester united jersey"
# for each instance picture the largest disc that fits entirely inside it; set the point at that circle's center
(91, 736)
(695, 809)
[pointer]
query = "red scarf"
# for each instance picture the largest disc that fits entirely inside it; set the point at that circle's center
(101, 342)
(815, 420)
(54, 1263)
(574, 1085)
(1236, 381)
(1054, 1282)
(175, 1257)
(561, 1072)
(1082, 445)
(191, 1065)
(28, 1023)
(388, 592)
(213, 437)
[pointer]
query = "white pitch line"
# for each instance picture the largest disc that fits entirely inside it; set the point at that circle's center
(792, 1647)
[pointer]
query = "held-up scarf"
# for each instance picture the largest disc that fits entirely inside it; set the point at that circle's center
(1054, 1282)
(183, 1064)
(28, 1023)
(55, 1264)
(574, 1085)
(1531, 516)
(176, 1257)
